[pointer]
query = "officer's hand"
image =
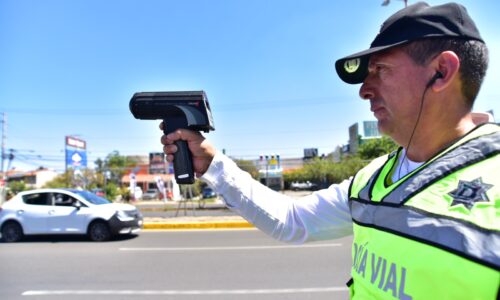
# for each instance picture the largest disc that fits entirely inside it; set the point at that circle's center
(202, 151)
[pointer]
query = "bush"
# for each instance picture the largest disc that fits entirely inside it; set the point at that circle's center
(374, 148)
(17, 186)
(111, 191)
(325, 172)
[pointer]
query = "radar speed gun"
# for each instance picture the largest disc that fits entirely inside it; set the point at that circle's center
(188, 110)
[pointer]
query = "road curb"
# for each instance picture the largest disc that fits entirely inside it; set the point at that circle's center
(198, 225)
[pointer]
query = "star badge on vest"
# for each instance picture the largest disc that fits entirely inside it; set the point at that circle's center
(470, 192)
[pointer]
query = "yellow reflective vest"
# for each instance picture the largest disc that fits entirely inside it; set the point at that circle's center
(435, 233)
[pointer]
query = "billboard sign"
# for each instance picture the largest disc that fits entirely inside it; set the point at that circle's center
(76, 153)
(157, 163)
(310, 153)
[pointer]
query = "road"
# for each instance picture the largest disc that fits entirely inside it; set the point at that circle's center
(222, 264)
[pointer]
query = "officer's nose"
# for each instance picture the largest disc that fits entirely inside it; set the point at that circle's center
(366, 92)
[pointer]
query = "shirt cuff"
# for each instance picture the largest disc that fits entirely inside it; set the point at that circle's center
(220, 166)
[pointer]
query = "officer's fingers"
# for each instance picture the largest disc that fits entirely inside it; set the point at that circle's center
(184, 134)
(165, 140)
(170, 149)
(162, 126)
(171, 137)
(170, 158)
(181, 134)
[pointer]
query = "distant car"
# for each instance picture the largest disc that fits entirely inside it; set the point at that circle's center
(208, 193)
(66, 211)
(98, 192)
(303, 186)
(151, 194)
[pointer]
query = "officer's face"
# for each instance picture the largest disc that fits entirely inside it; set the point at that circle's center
(394, 87)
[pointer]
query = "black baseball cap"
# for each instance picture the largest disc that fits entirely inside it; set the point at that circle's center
(415, 22)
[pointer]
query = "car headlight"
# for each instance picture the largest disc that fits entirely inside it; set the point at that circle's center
(123, 216)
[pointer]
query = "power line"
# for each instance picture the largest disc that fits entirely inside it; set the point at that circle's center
(260, 104)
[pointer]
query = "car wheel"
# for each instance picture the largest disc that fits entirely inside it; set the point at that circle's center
(99, 231)
(12, 232)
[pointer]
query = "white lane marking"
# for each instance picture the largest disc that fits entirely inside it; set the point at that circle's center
(186, 292)
(229, 248)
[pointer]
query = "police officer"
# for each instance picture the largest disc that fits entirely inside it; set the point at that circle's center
(425, 218)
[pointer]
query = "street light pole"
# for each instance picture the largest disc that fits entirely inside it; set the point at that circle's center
(3, 194)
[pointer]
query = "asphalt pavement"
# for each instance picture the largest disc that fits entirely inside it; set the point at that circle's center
(174, 264)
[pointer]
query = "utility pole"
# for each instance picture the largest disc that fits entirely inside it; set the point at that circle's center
(4, 125)
(3, 186)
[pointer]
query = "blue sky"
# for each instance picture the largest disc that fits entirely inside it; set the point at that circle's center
(267, 66)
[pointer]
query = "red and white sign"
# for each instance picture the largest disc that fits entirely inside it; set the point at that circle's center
(73, 142)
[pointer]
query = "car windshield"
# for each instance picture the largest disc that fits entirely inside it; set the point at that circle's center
(91, 197)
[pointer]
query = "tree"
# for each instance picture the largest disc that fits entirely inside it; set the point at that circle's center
(248, 166)
(112, 191)
(109, 173)
(16, 187)
(85, 179)
(387, 2)
(99, 165)
(325, 172)
(117, 165)
(374, 148)
(63, 180)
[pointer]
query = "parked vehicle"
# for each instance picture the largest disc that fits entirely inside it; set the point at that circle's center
(98, 192)
(151, 194)
(208, 193)
(303, 186)
(66, 211)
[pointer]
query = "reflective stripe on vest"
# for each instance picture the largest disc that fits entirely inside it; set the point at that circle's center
(477, 244)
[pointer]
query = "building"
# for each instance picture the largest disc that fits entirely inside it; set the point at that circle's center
(152, 172)
(33, 179)
(370, 131)
(144, 179)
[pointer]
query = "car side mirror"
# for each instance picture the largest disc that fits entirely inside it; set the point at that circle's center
(77, 205)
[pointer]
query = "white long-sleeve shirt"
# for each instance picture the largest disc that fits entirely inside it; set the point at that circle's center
(322, 215)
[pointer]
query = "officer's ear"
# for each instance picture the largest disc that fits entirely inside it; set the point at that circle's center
(446, 66)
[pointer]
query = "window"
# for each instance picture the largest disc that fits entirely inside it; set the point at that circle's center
(37, 199)
(91, 197)
(63, 199)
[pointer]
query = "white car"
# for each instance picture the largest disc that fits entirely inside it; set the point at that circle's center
(303, 186)
(66, 211)
(151, 194)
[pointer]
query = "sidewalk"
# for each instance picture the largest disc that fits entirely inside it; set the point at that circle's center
(160, 215)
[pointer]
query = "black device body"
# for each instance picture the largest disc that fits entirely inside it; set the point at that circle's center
(189, 110)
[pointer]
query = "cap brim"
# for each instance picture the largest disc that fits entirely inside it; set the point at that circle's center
(353, 69)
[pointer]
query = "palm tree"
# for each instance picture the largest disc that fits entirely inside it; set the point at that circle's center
(386, 2)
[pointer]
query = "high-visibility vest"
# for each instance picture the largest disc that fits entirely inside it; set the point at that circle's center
(435, 233)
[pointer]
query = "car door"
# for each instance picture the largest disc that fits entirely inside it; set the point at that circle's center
(65, 217)
(34, 212)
